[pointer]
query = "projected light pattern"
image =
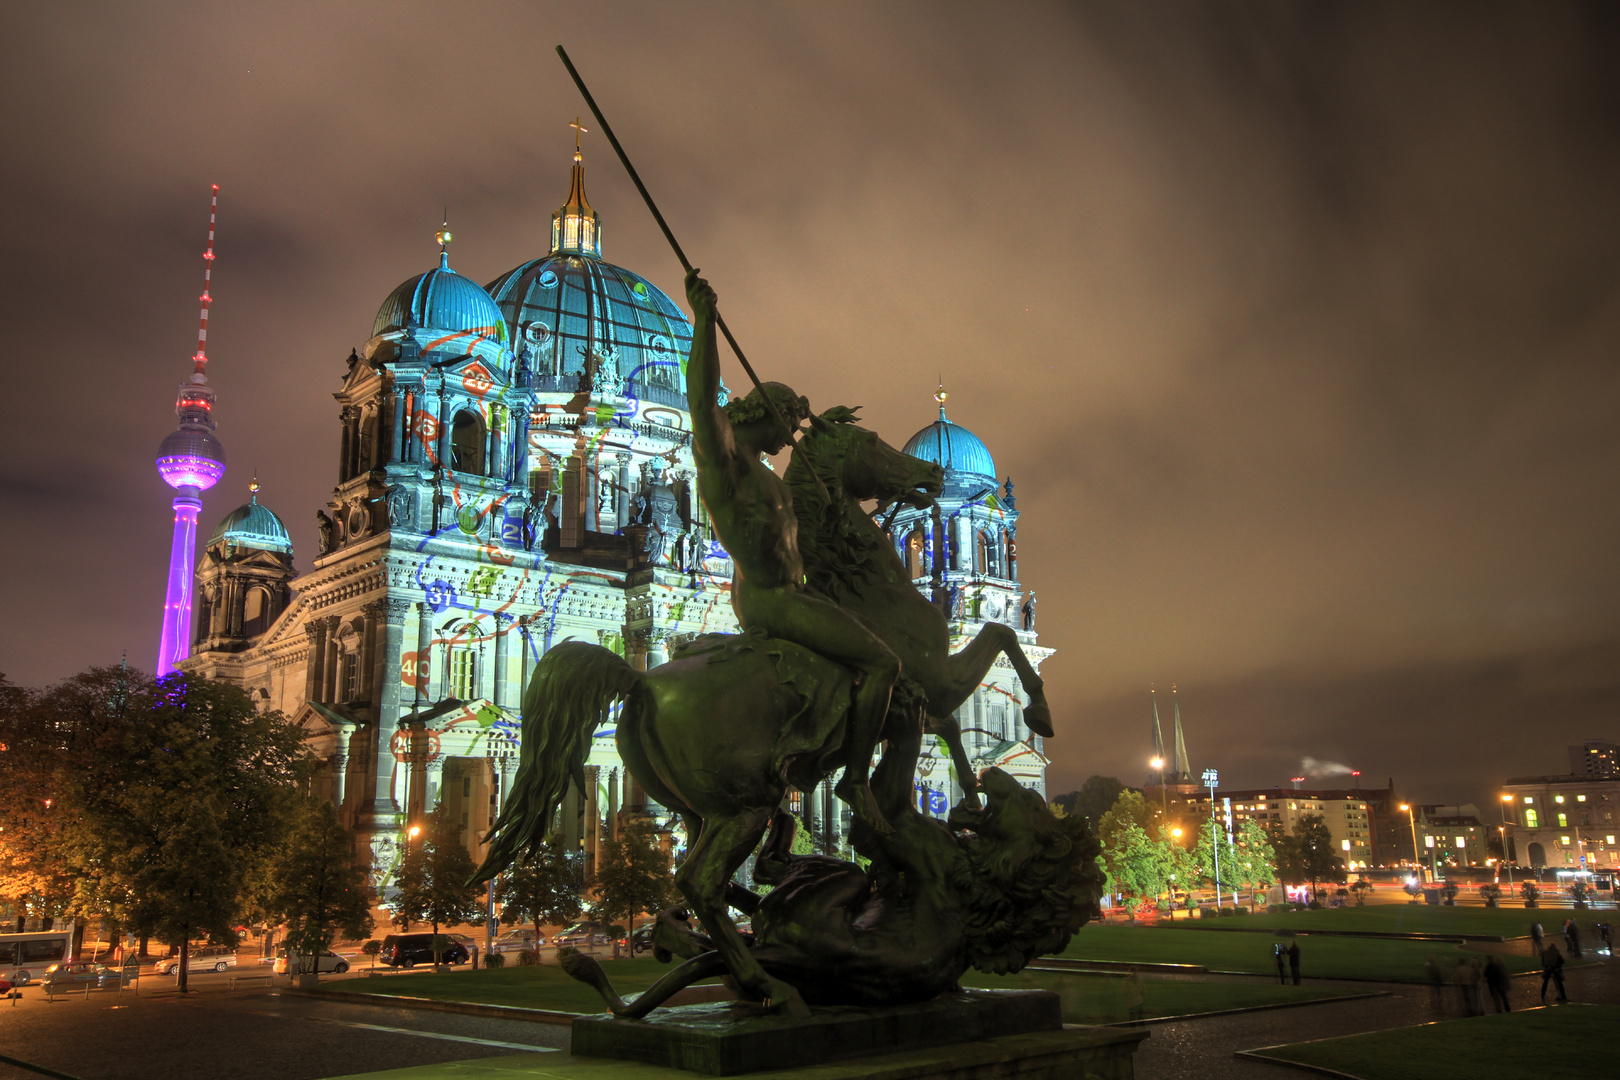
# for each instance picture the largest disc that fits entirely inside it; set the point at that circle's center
(190, 460)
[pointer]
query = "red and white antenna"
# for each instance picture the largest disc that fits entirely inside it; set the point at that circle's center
(201, 359)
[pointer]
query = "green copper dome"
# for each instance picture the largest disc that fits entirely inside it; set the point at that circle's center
(441, 299)
(253, 526)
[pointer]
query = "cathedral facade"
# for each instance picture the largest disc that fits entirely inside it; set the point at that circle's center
(514, 470)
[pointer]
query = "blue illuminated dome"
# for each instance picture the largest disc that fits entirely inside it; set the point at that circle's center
(253, 526)
(570, 312)
(955, 449)
(441, 299)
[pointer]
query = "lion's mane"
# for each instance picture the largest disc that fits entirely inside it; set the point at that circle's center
(1022, 906)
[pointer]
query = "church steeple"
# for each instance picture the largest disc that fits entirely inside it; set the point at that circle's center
(1183, 769)
(575, 229)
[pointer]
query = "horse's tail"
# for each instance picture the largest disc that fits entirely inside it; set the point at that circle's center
(572, 689)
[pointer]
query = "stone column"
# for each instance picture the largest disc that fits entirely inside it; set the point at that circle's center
(329, 667)
(527, 661)
(424, 651)
(340, 766)
(315, 632)
(623, 499)
(435, 782)
(366, 662)
(497, 690)
(381, 810)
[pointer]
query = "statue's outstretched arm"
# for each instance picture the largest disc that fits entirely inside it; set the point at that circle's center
(712, 441)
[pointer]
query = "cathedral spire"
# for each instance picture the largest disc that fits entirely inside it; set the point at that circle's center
(1183, 770)
(575, 229)
(1158, 732)
(940, 397)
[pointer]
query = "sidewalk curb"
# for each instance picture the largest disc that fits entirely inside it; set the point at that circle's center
(470, 1008)
(1251, 1009)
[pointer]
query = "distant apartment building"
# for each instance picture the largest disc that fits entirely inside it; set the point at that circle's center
(1595, 759)
(1453, 836)
(1346, 813)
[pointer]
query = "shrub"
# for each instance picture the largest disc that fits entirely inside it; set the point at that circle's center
(1314, 905)
(1237, 911)
(1279, 909)
(494, 960)
(529, 958)
(1529, 891)
(1490, 892)
(1229, 910)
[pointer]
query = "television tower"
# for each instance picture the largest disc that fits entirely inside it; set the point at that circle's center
(191, 461)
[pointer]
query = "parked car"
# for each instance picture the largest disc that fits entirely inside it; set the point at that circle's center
(408, 950)
(642, 940)
(202, 958)
(76, 975)
(327, 961)
(580, 934)
(518, 940)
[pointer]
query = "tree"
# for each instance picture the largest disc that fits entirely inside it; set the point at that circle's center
(1139, 866)
(1213, 850)
(1308, 855)
(433, 876)
(1362, 887)
(1095, 798)
(632, 873)
(176, 794)
(318, 886)
(1255, 857)
(541, 888)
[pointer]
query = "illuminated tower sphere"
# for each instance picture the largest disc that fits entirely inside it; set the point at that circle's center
(191, 461)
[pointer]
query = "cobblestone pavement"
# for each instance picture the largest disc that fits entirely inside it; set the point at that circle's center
(1203, 1049)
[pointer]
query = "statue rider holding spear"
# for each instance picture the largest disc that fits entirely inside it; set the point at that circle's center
(751, 510)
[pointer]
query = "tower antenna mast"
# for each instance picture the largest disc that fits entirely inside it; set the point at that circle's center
(686, 264)
(201, 359)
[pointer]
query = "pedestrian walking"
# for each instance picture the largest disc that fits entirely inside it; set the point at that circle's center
(1535, 938)
(1469, 978)
(1552, 970)
(1293, 961)
(474, 966)
(1282, 975)
(1496, 977)
(1572, 937)
(1605, 934)
(1134, 993)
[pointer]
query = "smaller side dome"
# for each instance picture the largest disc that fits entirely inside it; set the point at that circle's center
(441, 299)
(253, 526)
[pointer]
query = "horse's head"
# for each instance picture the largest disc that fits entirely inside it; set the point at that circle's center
(869, 468)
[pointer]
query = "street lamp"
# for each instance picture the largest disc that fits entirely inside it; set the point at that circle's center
(1158, 763)
(1411, 816)
(1211, 779)
(1505, 860)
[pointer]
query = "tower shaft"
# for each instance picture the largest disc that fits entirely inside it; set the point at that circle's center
(175, 644)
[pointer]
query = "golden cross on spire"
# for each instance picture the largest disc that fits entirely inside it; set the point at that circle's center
(443, 236)
(579, 129)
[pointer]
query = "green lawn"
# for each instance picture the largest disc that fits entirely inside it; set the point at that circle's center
(1549, 1044)
(1406, 919)
(1100, 999)
(1385, 959)
(542, 987)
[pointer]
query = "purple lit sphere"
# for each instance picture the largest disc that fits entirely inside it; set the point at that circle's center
(191, 457)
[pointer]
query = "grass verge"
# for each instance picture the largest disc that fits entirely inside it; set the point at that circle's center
(1403, 919)
(544, 987)
(1549, 1044)
(1100, 999)
(1379, 959)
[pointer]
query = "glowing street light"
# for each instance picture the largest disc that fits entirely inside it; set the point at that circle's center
(1503, 830)
(1411, 816)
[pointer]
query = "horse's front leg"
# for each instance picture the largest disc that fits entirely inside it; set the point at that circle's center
(968, 667)
(703, 880)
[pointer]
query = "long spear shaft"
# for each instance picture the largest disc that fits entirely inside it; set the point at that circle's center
(635, 178)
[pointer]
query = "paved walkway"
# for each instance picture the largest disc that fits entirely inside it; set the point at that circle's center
(1204, 1049)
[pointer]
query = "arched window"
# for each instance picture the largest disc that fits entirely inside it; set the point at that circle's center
(467, 443)
(1538, 855)
(256, 612)
(982, 551)
(369, 457)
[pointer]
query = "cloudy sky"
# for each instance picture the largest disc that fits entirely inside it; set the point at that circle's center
(1295, 325)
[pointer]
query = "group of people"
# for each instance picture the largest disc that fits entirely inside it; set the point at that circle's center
(1291, 955)
(1471, 976)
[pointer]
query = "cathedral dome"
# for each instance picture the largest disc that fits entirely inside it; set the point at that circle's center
(441, 299)
(567, 312)
(953, 448)
(253, 526)
(570, 312)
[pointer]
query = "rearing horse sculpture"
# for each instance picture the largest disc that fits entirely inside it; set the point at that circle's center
(851, 560)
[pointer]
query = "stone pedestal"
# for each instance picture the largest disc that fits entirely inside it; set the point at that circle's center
(727, 1038)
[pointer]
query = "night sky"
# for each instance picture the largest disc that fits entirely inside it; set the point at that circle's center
(1295, 325)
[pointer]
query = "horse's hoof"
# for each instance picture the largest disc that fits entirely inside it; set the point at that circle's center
(1038, 718)
(785, 1001)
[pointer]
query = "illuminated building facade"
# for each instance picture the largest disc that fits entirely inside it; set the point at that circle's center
(190, 460)
(1348, 815)
(1565, 823)
(514, 470)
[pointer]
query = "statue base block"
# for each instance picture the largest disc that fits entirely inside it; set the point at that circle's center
(727, 1038)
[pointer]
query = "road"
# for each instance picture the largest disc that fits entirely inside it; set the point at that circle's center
(244, 1034)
